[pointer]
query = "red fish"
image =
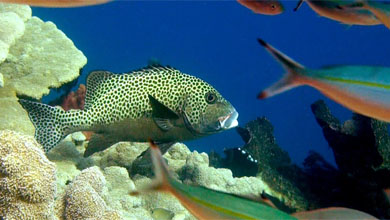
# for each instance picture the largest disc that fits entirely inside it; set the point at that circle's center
(266, 7)
(57, 3)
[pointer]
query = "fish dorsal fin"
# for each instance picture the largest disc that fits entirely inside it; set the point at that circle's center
(162, 115)
(94, 89)
(153, 68)
(298, 5)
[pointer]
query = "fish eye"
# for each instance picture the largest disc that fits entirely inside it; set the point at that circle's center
(273, 6)
(211, 98)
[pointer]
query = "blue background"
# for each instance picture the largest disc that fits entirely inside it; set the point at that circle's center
(216, 41)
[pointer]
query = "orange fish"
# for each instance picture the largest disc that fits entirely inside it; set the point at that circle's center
(337, 10)
(333, 213)
(265, 7)
(57, 3)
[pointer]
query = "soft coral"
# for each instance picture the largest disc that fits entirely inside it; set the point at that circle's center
(75, 100)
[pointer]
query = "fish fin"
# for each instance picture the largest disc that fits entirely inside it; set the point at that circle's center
(99, 142)
(49, 128)
(381, 14)
(94, 86)
(289, 80)
(333, 213)
(161, 172)
(299, 5)
(162, 115)
(143, 164)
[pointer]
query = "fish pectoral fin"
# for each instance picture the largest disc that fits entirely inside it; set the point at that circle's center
(162, 115)
(99, 142)
(164, 123)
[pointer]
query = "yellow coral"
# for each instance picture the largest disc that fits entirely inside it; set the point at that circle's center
(27, 178)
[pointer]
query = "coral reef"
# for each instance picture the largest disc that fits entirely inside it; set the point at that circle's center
(361, 147)
(84, 197)
(12, 19)
(1, 81)
(286, 181)
(38, 56)
(27, 178)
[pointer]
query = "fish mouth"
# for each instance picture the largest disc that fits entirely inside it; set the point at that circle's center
(229, 121)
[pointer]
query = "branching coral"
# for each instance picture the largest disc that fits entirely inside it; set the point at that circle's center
(27, 178)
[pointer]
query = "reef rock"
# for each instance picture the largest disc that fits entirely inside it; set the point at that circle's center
(27, 178)
(361, 147)
(1, 81)
(12, 19)
(120, 154)
(42, 58)
(38, 57)
(269, 163)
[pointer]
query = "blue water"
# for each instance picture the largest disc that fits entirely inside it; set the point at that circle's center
(216, 41)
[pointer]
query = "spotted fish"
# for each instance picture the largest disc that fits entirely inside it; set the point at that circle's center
(155, 102)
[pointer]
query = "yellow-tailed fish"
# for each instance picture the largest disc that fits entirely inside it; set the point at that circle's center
(363, 89)
(266, 7)
(336, 10)
(205, 203)
(57, 3)
(154, 102)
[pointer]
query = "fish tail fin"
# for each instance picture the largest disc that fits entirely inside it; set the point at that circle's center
(299, 5)
(162, 177)
(380, 12)
(379, 9)
(50, 128)
(289, 81)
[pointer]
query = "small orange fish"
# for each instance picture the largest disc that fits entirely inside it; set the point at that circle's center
(266, 7)
(57, 3)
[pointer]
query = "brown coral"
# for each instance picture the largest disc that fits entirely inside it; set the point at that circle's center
(27, 178)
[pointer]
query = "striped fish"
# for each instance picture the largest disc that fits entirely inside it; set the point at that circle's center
(206, 204)
(381, 9)
(339, 10)
(362, 89)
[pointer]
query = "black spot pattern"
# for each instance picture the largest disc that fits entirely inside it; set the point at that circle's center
(51, 124)
(113, 97)
(120, 96)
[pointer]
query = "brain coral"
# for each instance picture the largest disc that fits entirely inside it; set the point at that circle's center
(84, 197)
(27, 178)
